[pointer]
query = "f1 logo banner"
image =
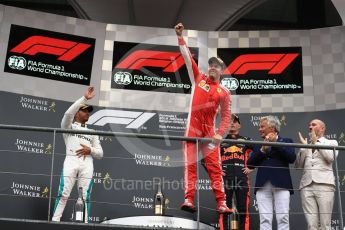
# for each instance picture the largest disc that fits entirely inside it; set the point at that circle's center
(132, 119)
(150, 68)
(152, 122)
(270, 70)
(49, 55)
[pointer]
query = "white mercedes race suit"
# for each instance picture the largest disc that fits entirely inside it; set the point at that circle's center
(75, 167)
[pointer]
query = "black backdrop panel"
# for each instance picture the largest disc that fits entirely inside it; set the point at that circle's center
(124, 180)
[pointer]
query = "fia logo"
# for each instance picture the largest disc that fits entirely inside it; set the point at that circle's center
(230, 83)
(123, 78)
(16, 62)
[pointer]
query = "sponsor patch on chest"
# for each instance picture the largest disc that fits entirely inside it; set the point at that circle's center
(204, 86)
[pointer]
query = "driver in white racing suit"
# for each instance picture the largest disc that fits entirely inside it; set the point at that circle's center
(80, 151)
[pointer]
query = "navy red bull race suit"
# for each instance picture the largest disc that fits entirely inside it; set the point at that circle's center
(207, 97)
(234, 159)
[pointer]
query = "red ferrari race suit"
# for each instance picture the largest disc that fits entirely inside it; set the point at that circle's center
(207, 97)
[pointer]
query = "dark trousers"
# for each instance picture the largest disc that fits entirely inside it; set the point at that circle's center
(239, 186)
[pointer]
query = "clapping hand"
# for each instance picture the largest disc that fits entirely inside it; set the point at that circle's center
(302, 139)
(313, 137)
(271, 137)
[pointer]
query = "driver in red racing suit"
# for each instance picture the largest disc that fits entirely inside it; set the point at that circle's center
(208, 95)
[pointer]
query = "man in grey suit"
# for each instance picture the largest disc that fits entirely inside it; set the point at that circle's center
(318, 183)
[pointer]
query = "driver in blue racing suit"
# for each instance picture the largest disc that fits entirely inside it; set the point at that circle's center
(235, 173)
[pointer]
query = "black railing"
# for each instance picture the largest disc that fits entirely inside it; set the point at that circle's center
(178, 138)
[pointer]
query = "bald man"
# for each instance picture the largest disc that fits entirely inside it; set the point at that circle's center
(318, 183)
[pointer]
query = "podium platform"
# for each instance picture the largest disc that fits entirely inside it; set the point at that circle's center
(159, 222)
(132, 223)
